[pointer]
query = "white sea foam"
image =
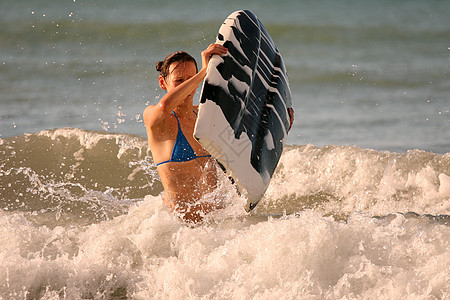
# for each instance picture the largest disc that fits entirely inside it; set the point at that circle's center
(149, 254)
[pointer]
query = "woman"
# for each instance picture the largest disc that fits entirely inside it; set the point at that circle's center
(186, 169)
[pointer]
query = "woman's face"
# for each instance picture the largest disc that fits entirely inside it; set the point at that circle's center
(179, 72)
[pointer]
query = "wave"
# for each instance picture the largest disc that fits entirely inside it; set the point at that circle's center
(339, 180)
(77, 172)
(112, 33)
(88, 176)
(122, 31)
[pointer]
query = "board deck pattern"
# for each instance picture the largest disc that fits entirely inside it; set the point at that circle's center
(251, 87)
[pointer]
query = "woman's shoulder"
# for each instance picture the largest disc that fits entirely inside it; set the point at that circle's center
(148, 112)
(154, 114)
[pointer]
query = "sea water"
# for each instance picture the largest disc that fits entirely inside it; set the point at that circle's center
(357, 208)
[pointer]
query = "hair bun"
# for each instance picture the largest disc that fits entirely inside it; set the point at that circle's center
(159, 66)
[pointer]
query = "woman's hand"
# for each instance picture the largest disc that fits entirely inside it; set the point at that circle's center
(210, 51)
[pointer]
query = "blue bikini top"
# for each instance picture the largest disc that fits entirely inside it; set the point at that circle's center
(182, 150)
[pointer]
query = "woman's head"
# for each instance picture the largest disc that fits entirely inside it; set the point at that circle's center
(163, 67)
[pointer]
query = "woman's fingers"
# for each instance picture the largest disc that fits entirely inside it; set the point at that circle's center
(216, 49)
(210, 51)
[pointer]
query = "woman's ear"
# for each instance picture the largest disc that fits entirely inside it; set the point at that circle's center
(162, 82)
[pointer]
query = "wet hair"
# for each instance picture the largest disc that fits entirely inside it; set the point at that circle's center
(163, 66)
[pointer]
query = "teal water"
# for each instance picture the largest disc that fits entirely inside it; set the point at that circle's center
(370, 74)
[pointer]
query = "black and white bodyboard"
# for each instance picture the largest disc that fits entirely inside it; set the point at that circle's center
(243, 119)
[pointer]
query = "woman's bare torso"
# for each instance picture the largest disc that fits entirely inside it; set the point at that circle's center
(186, 182)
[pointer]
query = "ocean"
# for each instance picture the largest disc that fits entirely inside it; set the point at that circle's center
(358, 207)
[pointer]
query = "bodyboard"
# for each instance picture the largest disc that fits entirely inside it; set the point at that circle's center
(243, 119)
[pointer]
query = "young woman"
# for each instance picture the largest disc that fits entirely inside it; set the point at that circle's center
(186, 169)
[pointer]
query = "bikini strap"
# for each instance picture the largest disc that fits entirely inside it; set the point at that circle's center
(173, 113)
